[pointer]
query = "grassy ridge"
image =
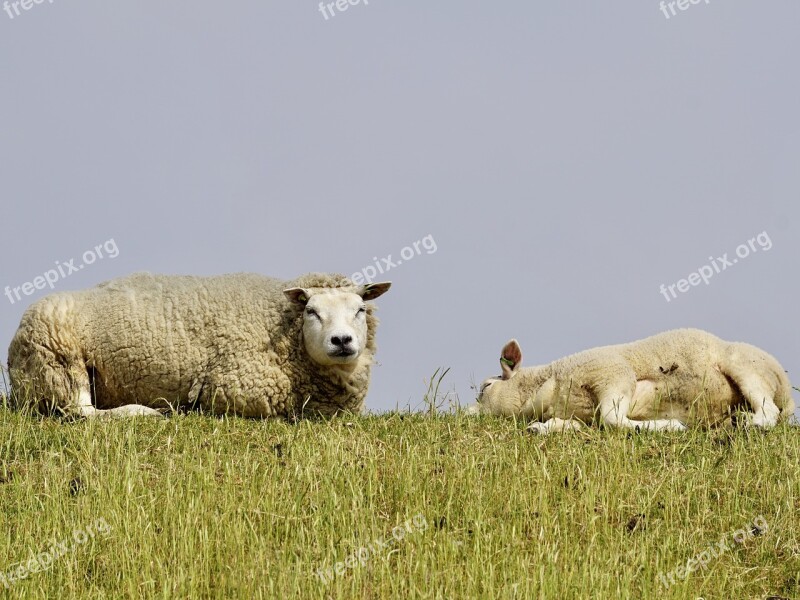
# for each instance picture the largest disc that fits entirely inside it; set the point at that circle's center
(202, 507)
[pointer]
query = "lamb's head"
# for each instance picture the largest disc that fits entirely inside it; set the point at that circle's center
(335, 321)
(501, 395)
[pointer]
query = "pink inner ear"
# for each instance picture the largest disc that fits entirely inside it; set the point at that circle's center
(513, 353)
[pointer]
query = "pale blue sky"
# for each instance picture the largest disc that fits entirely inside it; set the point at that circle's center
(567, 158)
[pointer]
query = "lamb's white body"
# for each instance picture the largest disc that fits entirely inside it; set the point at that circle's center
(665, 382)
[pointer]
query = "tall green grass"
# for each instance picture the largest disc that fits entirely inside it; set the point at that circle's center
(201, 507)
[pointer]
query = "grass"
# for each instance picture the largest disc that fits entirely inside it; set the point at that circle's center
(200, 507)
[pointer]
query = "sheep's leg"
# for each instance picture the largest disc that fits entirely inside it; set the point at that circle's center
(614, 408)
(85, 408)
(554, 424)
(50, 373)
(49, 379)
(52, 376)
(128, 410)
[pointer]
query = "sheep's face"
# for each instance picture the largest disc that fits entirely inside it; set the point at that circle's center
(501, 395)
(335, 321)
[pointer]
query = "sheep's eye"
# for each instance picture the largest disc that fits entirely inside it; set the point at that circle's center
(361, 310)
(485, 385)
(312, 312)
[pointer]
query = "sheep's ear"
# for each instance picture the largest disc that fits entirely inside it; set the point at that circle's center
(510, 359)
(370, 291)
(297, 295)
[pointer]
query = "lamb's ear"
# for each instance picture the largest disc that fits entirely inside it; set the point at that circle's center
(297, 295)
(370, 291)
(510, 359)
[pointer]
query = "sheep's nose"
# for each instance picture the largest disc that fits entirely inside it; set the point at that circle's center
(341, 340)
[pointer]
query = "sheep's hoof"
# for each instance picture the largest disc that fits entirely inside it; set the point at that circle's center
(537, 428)
(676, 425)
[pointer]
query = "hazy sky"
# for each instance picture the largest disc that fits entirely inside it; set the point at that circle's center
(567, 159)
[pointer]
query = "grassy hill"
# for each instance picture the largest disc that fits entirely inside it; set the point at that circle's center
(396, 505)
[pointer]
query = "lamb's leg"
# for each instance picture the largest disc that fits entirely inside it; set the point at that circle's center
(554, 424)
(614, 407)
(751, 372)
(760, 398)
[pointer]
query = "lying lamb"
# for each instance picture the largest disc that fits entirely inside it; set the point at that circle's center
(242, 344)
(664, 382)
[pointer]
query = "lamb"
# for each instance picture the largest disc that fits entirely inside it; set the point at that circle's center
(240, 344)
(665, 382)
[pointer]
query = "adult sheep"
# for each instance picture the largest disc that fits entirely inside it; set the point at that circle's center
(240, 344)
(664, 382)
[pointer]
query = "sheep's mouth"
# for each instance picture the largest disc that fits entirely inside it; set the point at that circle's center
(343, 353)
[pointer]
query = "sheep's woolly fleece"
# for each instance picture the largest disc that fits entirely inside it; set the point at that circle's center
(228, 344)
